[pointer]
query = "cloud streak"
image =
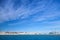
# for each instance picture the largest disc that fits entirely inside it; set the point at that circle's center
(29, 11)
(11, 12)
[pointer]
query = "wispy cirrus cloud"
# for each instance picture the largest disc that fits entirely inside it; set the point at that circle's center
(11, 10)
(40, 10)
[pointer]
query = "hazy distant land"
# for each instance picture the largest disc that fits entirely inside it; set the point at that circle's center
(29, 33)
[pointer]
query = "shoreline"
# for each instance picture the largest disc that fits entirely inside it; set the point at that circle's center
(29, 33)
(38, 35)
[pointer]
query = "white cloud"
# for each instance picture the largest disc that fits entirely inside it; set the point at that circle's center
(9, 13)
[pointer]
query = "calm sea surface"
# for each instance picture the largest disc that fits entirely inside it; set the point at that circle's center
(29, 37)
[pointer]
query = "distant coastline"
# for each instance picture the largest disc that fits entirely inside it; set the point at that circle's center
(29, 33)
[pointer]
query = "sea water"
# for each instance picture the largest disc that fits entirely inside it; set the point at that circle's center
(29, 37)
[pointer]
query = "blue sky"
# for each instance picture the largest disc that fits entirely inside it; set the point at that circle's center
(30, 15)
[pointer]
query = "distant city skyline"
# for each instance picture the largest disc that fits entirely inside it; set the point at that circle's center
(29, 15)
